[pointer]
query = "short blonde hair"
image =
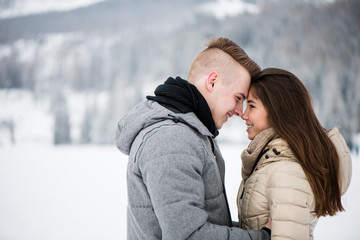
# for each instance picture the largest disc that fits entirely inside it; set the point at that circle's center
(219, 55)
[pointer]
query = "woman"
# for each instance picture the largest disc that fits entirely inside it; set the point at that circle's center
(293, 171)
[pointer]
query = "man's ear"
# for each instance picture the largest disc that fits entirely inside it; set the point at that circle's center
(210, 82)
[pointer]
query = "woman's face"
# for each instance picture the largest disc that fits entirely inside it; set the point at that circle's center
(255, 116)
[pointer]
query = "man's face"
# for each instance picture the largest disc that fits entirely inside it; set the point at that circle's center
(227, 99)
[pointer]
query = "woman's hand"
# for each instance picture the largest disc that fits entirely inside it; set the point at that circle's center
(268, 224)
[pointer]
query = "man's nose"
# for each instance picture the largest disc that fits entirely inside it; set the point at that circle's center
(238, 111)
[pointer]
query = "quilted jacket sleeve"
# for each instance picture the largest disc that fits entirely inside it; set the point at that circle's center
(290, 201)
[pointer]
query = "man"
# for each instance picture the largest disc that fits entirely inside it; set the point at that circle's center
(175, 174)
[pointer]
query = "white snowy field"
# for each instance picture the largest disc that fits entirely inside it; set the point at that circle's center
(79, 192)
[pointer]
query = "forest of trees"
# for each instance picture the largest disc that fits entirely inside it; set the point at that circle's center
(119, 49)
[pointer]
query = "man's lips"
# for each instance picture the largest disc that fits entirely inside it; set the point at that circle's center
(228, 115)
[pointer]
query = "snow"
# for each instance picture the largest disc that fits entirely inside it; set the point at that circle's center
(79, 192)
(78, 103)
(62, 193)
(228, 8)
(29, 118)
(26, 119)
(27, 7)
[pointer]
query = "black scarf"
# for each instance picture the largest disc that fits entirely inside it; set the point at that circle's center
(178, 95)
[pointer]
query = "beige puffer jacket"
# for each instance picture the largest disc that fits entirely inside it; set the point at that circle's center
(278, 188)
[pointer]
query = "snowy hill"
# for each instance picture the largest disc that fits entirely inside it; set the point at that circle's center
(84, 68)
(15, 8)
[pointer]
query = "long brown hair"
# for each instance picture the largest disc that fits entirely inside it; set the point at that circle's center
(290, 113)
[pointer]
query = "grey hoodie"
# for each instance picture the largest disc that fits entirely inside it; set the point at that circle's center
(175, 177)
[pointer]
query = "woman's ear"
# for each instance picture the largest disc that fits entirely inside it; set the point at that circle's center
(211, 80)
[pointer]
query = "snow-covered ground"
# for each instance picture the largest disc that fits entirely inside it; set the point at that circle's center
(79, 192)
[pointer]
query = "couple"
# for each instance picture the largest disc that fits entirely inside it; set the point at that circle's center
(293, 171)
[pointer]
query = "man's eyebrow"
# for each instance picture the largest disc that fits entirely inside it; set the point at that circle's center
(242, 95)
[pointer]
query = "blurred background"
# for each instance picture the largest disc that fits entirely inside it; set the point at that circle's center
(70, 69)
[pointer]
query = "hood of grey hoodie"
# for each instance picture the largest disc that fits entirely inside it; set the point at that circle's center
(146, 114)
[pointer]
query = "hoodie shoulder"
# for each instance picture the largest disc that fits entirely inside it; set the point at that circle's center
(140, 117)
(147, 114)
